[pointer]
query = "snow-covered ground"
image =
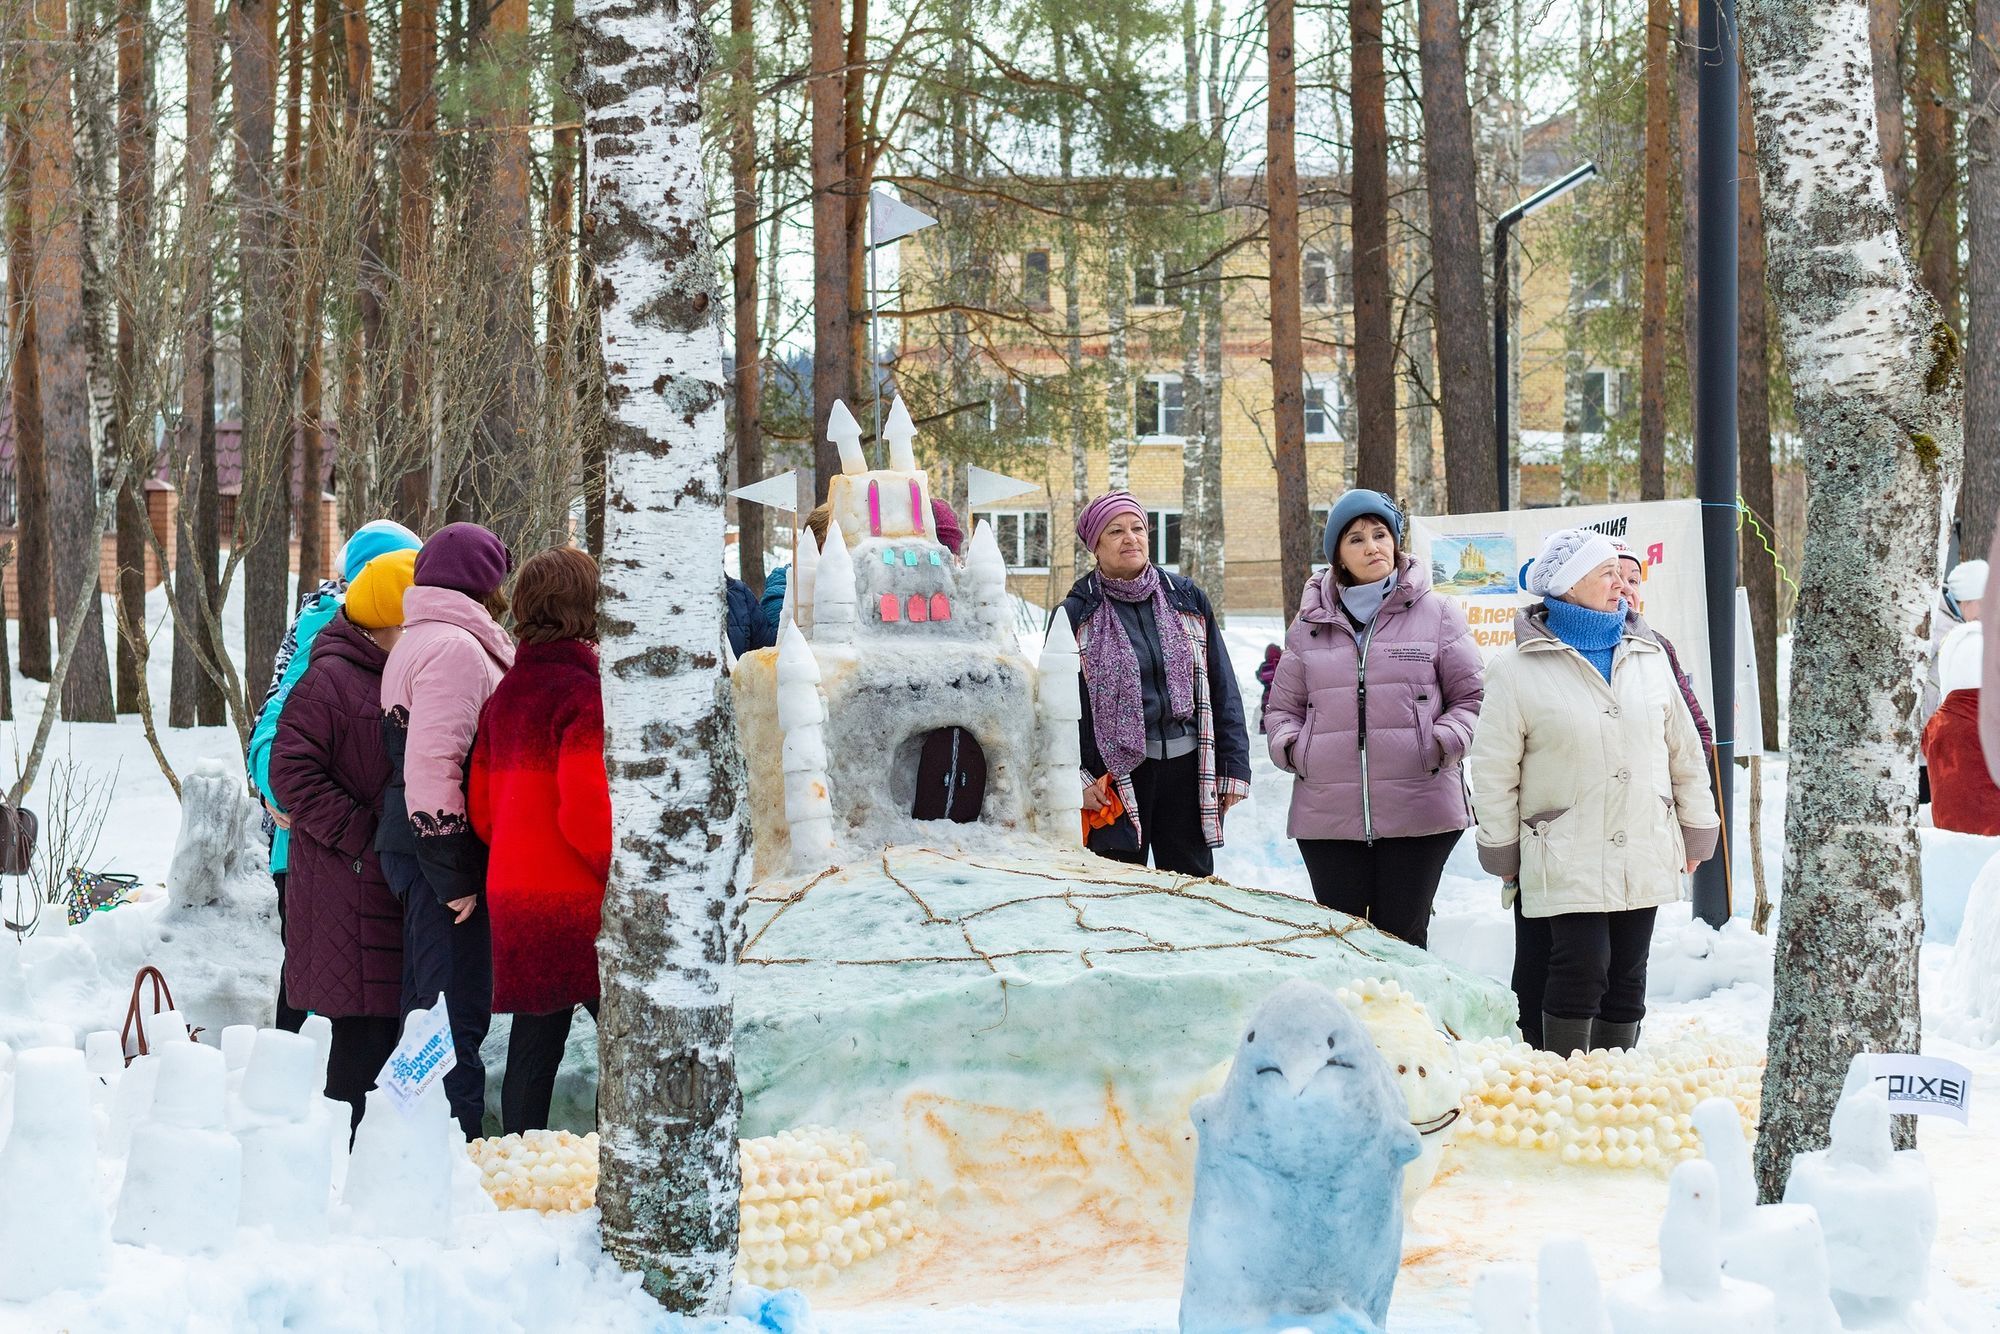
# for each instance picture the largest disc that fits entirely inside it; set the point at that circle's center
(520, 1271)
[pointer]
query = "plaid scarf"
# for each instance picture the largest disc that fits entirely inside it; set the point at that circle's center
(1117, 701)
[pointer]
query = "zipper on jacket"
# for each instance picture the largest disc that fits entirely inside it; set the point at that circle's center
(1361, 718)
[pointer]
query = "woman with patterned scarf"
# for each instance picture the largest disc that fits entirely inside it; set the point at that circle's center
(1162, 720)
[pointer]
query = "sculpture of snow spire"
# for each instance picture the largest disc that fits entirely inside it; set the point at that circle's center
(184, 1173)
(1503, 1300)
(805, 576)
(833, 591)
(985, 582)
(1058, 708)
(801, 713)
(1690, 1292)
(901, 433)
(1571, 1300)
(845, 432)
(1777, 1246)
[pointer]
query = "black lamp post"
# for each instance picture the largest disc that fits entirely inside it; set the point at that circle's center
(1501, 257)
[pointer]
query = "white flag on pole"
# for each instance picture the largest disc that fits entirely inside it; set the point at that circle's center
(890, 219)
(778, 493)
(985, 486)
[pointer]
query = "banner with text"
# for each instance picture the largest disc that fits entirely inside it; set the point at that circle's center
(1479, 560)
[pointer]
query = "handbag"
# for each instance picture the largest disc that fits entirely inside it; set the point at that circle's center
(135, 1023)
(18, 829)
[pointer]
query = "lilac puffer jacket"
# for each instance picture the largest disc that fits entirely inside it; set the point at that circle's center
(1424, 684)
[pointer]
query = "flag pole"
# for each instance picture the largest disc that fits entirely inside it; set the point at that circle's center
(874, 306)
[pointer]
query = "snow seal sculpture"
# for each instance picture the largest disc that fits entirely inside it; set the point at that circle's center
(1298, 1197)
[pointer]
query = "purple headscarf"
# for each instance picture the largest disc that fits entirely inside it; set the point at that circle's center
(1111, 666)
(1095, 517)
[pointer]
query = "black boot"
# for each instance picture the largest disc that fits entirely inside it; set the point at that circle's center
(1613, 1037)
(1564, 1036)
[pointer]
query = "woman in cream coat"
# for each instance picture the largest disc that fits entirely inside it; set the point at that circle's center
(1590, 789)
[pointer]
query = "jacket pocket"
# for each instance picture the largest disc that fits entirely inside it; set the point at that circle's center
(1429, 758)
(1302, 743)
(1676, 840)
(1541, 862)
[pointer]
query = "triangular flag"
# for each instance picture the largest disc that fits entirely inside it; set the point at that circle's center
(985, 487)
(779, 493)
(890, 219)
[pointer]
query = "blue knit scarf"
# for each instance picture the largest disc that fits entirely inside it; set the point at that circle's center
(1594, 634)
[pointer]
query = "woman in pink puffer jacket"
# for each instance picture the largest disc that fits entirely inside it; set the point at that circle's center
(1372, 710)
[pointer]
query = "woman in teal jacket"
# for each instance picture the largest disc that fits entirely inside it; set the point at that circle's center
(368, 542)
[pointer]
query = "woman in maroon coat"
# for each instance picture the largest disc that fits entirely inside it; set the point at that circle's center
(343, 928)
(538, 798)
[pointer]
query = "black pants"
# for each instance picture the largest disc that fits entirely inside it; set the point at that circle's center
(1531, 971)
(1169, 795)
(290, 1019)
(360, 1048)
(456, 959)
(534, 1053)
(1392, 882)
(1597, 965)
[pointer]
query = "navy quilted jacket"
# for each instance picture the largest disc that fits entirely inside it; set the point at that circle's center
(343, 928)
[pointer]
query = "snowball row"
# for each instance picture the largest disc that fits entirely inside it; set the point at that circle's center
(815, 1202)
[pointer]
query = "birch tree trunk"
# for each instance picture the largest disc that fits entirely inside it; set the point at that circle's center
(669, 1101)
(1875, 385)
(1465, 379)
(1982, 285)
(1420, 369)
(1117, 363)
(56, 228)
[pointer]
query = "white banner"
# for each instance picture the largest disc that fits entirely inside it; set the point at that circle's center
(1923, 1085)
(421, 1059)
(1478, 559)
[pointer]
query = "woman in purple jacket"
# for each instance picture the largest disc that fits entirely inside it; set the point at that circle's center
(1372, 710)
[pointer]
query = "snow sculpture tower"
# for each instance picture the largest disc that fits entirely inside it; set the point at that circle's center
(52, 1228)
(281, 1121)
(1058, 709)
(1690, 1294)
(184, 1176)
(899, 671)
(1776, 1246)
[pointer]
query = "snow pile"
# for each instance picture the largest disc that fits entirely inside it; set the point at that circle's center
(1692, 960)
(1968, 1010)
(1608, 1108)
(1954, 866)
(1691, 1295)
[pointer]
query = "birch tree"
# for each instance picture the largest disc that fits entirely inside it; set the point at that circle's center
(1875, 384)
(669, 1103)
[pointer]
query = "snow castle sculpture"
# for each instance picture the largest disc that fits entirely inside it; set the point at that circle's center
(890, 647)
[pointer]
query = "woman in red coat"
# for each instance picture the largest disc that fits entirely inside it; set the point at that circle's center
(538, 798)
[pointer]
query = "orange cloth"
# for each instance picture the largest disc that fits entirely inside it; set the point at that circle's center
(1963, 796)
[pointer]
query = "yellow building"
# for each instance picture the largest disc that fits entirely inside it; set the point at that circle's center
(1035, 530)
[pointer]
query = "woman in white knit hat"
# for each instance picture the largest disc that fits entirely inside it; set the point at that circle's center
(1590, 789)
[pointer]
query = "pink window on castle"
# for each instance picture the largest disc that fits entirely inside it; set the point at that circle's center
(940, 607)
(891, 607)
(919, 608)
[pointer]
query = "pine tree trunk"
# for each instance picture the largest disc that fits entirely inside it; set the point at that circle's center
(1934, 187)
(196, 696)
(1288, 365)
(263, 509)
(134, 437)
(416, 119)
(1982, 287)
(753, 522)
(854, 159)
(57, 242)
(1756, 559)
(364, 386)
(1374, 320)
(1687, 100)
(833, 348)
(31, 483)
(1875, 388)
(312, 350)
(1451, 175)
(1653, 294)
(668, 1100)
(1885, 42)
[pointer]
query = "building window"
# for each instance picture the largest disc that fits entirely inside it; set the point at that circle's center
(1150, 286)
(1319, 410)
(1163, 528)
(1035, 278)
(1603, 399)
(1023, 536)
(1317, 272)
(1158, 406)
(1007, 406)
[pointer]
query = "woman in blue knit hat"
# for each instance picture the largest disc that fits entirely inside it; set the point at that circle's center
(1591, 789)
(1371, 710)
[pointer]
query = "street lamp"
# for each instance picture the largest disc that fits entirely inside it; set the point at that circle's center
(1548, 193)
